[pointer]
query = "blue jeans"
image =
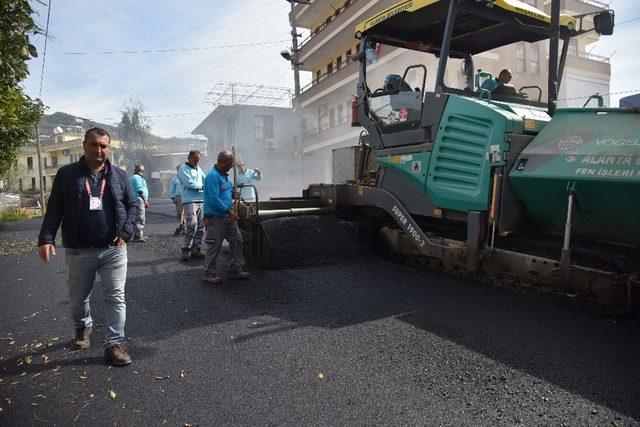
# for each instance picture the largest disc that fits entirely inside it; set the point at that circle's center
(111, 264)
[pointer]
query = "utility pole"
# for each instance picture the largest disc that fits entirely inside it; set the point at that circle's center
(40, 169)
(295, 60)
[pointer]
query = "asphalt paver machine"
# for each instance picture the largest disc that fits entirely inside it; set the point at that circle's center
(496, 184)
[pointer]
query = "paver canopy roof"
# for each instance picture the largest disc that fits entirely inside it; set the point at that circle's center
(479, 26)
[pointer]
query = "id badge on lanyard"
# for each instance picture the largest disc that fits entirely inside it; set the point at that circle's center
(95, 202)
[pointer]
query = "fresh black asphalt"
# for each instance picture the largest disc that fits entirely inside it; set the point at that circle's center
(356, 341)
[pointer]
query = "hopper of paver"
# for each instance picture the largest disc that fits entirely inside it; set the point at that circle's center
(295, 232)
(594, 154)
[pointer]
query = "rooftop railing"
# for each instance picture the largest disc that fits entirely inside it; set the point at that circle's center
(336, 12)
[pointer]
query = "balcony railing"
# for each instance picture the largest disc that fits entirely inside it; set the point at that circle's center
(590, 56)
(596, 3)
(317, 79)
(337, 12)
(338, 122)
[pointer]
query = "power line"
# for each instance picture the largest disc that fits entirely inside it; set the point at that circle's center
(628, 20)
(601, 94)
(172, 50)
(71, 81)
(44, 53)
(178, 72)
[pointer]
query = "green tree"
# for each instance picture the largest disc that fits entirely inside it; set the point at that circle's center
(19, 114)
(134, 130)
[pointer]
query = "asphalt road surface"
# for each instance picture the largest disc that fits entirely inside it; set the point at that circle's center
(360, 341)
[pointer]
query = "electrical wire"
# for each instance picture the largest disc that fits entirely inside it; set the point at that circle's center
(44, 54)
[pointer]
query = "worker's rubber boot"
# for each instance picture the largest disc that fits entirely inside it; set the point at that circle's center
(238, 273)
(116, 356)
(82, 339)
(211, 278)
(184, 254)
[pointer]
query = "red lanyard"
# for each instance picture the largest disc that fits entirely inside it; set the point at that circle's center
(102, 186)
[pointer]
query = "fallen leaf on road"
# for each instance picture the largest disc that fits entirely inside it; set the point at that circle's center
(1, 410)
(24, 374)
(181, 373)
(34, 404)
(31, 316)
(84, 375)
(112, 394)
(320, 376)
(9, 339)
(8, 400)
(28, 360)
(45, 359)
(162, 377)
(39, 396)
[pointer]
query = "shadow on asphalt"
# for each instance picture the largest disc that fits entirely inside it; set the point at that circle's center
(595, 357)
(15, 365)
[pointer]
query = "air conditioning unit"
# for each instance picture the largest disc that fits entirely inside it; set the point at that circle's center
(65, 152)
(270, 144)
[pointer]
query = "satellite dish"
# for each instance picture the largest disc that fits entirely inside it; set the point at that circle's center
(57, 130)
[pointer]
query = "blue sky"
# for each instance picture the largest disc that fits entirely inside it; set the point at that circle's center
(173, 85)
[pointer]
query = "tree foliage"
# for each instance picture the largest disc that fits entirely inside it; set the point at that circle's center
(134, 130)
(19, 114)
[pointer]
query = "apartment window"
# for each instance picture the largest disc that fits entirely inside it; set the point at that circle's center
(348, 55)
(332, 118)
(573, 47)
(326, 21)
(45, 162)
(263, 127)
(329, 68)
(33, 184)
(347, 4)
(521, 65)
(339, 62)
(20, 185)
(30, 163)
(534, 59)
(318, 75)
(340, 113)
(44, 183)
(54, 162)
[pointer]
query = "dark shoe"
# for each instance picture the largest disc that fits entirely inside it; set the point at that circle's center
(198, 255)
(238, 274)
(82, 340)
(116, 356)
(184, 255)
(177, 232)
(211, 278)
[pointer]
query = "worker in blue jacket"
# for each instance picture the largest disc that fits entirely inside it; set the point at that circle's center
(192, 181)
(247, 177)
(220, 221)
(140, 189)
(175, 194)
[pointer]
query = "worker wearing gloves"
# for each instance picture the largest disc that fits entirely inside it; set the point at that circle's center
(192, 181)
(247, 176)
(175, 194)
(220, 221)
(139, 185)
